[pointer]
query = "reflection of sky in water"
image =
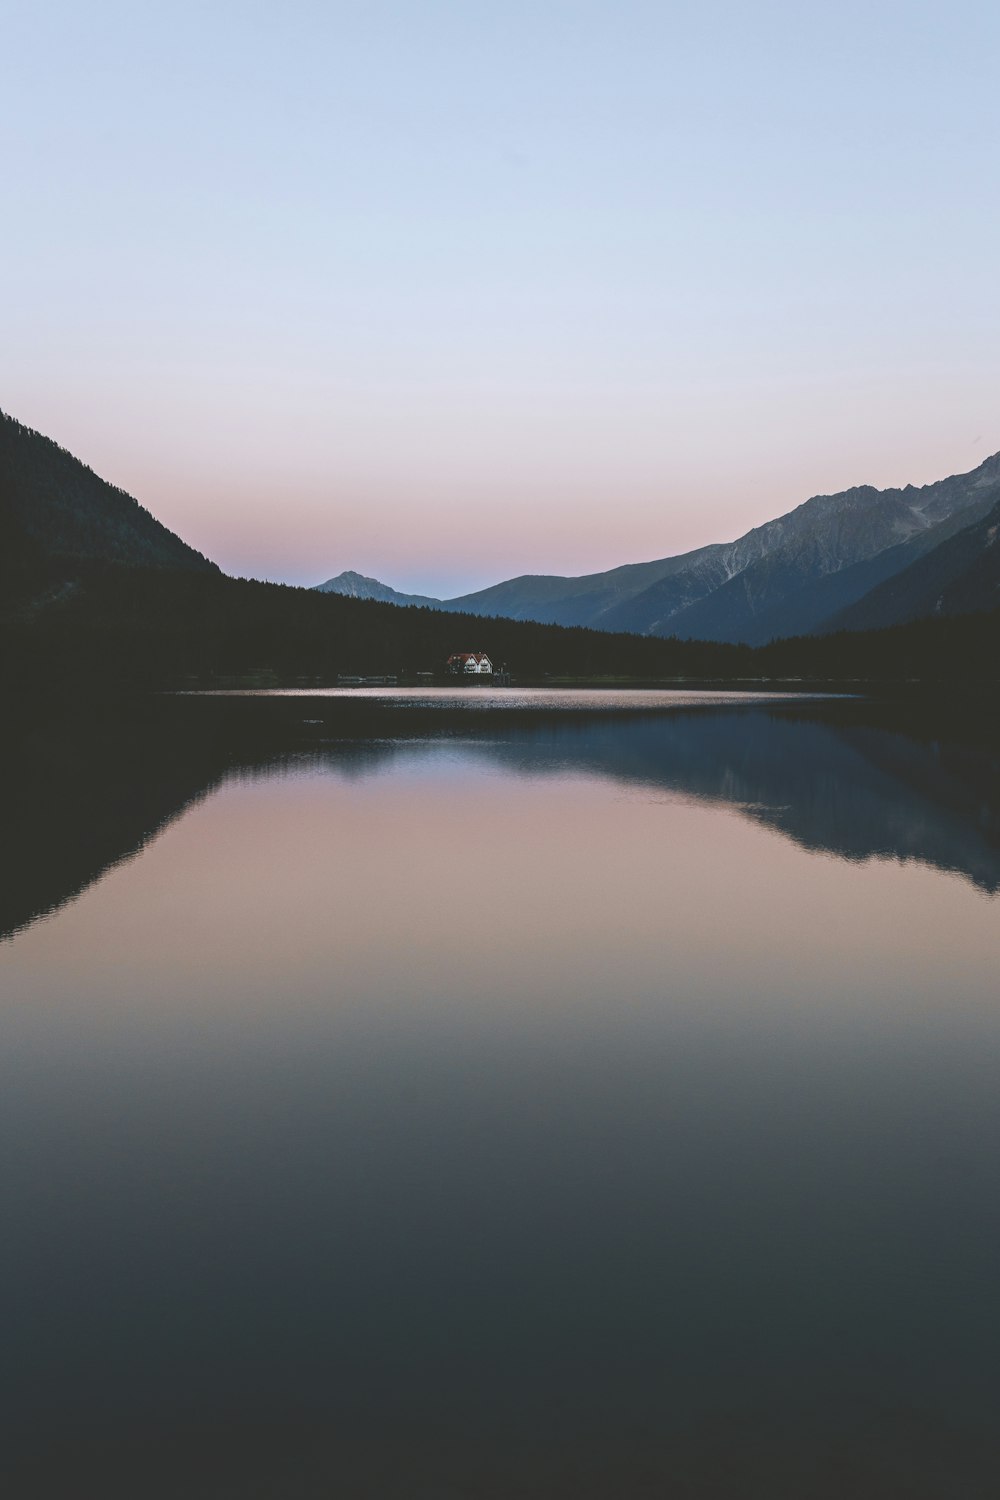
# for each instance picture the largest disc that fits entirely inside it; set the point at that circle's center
(535, 1104)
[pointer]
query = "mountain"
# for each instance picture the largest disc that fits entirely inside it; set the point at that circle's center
(788, 577)
(555, 600)
(960, 575)
(546, 599)
(357, 586)
(54, 509)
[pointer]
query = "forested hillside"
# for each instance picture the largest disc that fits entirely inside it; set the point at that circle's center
(54, 508)
(151, 627)
(140, 628)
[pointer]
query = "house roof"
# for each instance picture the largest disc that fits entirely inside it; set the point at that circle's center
(477, 656)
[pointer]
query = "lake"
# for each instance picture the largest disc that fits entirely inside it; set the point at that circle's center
(484, 1095)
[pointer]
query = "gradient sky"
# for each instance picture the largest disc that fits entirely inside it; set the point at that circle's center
(445, 290)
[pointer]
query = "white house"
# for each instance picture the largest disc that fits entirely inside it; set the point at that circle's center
(471, 661)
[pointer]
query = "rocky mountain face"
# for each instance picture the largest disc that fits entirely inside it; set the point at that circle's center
(960, 575)
(357, 586)
(54, 509)
(786, 577)
(792, 576)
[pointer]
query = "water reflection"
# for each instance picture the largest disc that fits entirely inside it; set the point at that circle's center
(520, 1113)
(833, 784)
(842, 779)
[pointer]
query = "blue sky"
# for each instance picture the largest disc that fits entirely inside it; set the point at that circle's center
(446, 292)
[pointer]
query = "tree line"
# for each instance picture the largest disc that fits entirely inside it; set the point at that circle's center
(156, 627)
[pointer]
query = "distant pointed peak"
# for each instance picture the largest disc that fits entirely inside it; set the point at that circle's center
(354, 585)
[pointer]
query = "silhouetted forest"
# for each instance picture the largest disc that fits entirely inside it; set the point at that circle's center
(140, 627)
(145, 626)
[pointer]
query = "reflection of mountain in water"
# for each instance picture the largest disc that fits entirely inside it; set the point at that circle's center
(77, 799)
(853, 790)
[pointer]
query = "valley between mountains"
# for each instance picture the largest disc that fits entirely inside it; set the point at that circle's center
(863, 586)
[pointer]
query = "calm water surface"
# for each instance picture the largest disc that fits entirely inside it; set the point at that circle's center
(605, 1108)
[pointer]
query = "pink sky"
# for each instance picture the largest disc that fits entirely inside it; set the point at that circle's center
(291, 501)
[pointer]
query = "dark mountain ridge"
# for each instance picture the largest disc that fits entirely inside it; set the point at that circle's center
(54, 509)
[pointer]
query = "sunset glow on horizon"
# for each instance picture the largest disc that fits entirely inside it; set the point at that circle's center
(449, 293)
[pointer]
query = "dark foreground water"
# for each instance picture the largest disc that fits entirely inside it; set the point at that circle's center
(555, 1105)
